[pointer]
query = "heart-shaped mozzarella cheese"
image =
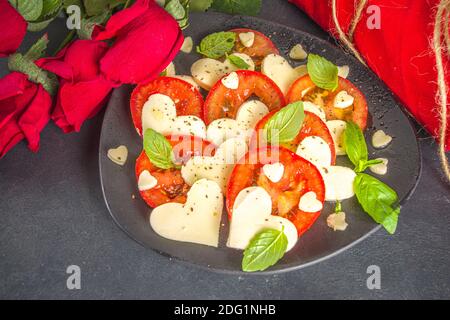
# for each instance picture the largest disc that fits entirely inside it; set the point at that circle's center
(247, 39)
(337, 129)
(338, 182)
(382, 168)
(315, 150)
(343, 71)
(298, 53)
(310, 203)
(250, 113)
(189, 80)
(274, 172)
(381, 140)
(188, 44)
(146, 181)
(231, 81)
(252, 213)
(280, 71)
(196, 221)
(343, 100)
(217, 168)
(118, 155)
(207, 72)
(170, 71)
(160, 114)
(314, 108)
(221, 130)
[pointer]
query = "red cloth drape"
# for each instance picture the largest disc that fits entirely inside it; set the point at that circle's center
(399, 52)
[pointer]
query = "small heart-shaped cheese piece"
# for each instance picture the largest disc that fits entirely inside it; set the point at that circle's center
(118, 155)
(314, 108)
(146, 181)
(309, 203)
(382, 168)
(231, 81)
(247, 39)
(337, 129)
(315, 150)
(197, 221)
(298, 53)
(188, 44)
(252, 213)
(207, 72)
(343, 71)
(217, 168)
(280, 71)
(381, 140)
(338, 182)
(274, 172)
(343, 100)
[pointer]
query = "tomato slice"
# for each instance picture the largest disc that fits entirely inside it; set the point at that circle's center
(187, 98)
(312, 126)
(171, 186)
(300, 177)
(358, 113)
(261, 48)
(224, 103)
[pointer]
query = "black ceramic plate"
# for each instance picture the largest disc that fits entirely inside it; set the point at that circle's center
(320, 242)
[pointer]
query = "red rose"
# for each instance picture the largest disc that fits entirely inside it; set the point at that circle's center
(147, 39)
(24, 111)
(83, 88)
(13, 28)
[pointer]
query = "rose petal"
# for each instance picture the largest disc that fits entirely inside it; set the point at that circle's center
(10, 135)
(13, 28)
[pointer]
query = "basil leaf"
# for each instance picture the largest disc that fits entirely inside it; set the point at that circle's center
(201, 5)
(355, 145)
(238, 62)
(285, 125)
(378, 200)
(244, 7)
(323, 73)
(216, 45)
(158, 149)
(265, 249)
(363, 166)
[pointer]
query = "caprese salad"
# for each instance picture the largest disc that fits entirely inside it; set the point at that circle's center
(248, 133)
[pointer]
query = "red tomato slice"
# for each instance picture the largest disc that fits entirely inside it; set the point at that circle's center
(300, 177)
(312, 126)
(187, 98)
(358, 113)
(261, 48)
(171, 186)
(224, 103)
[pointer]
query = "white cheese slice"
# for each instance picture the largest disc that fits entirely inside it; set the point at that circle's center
(315, 150)
(252, 213)
(338, 183)
(158, 114)
(314, 108)
(221, 130)
(231, 81)
(189, 80)
(274, 172)
(189, 126)
(337, 129)
(309, 203)
(343, 100)
(118, 155)
(382, 168)
(197, 221)
(298, 53)
(280, 71)
(188, 44)
(146, 181)
(217, 168)
(381, 140)
(250, 113)
(247, 39)
(170, 70)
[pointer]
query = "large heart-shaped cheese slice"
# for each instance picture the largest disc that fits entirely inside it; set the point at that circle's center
(217, 168)
(280, 71)
(196, 221)
(252, 213)
(160, 114)
(207, 72)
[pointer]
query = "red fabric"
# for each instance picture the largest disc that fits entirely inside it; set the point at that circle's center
(13, 28)
(83, 88)
(24, 111)
(147, 39)
(399, 52)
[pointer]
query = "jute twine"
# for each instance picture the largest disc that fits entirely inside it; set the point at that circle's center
(440, 44)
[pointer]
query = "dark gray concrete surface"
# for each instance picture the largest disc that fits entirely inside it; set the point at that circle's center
(52, 215)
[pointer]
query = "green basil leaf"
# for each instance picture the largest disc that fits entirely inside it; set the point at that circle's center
(201, 5)
(378, 200)
(364, 165)
(244, 7)
(355, 145)
(158, 149)
(216, 45)
(38, 49)
(285, 125)
(29, 9)
(323, 73)
(265, 249)
(238, 62)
